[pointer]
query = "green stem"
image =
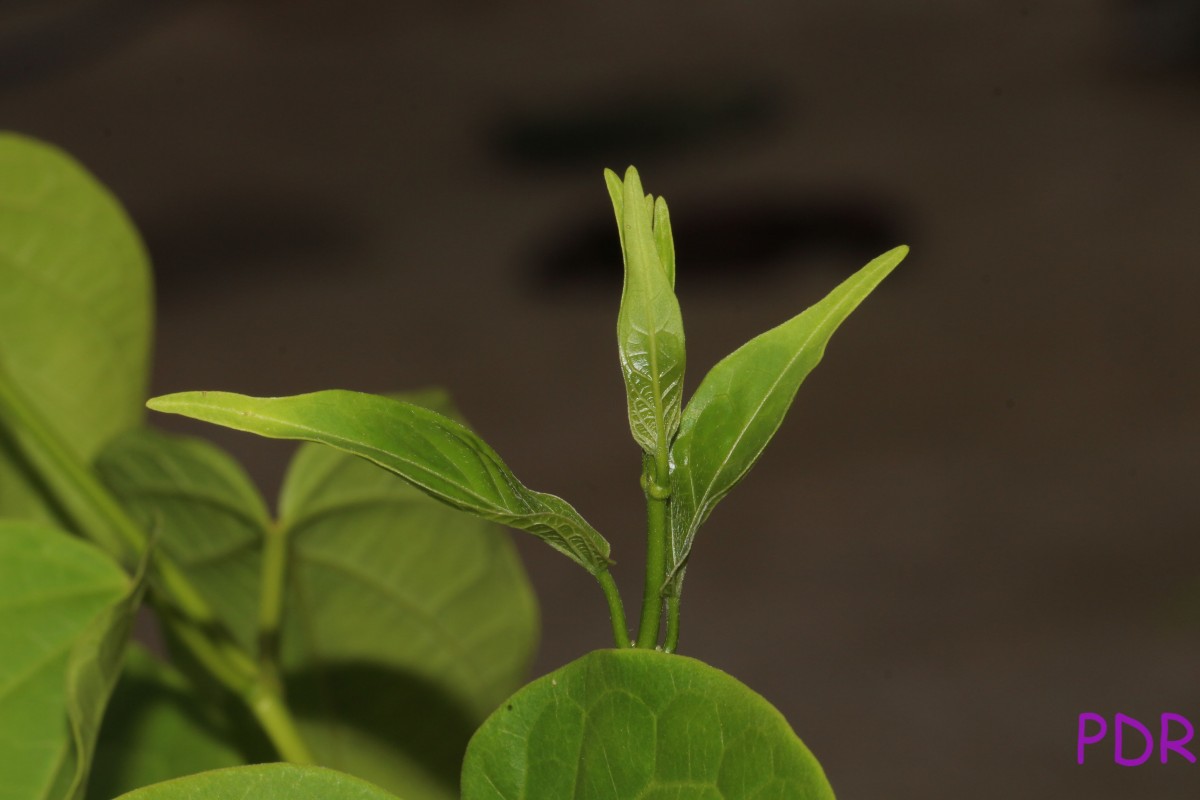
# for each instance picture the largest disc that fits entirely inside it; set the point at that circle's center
(91, 508)
(238, 676)
(267, 705)
(672, 624)
(616, 609)
(86, 504)
(261, 694)
(657, 492)
(260, 691)
(97, 515)
(270, 608)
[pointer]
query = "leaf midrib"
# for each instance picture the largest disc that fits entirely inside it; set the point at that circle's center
(352, 445)
(702, 507)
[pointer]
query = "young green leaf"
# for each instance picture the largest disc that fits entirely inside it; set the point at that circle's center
(263, 782)
(75, 308)
(616, 193)
(650, 339)
(56, 591)
(618, 724)
(664, 241)
(432, 452)
(742, 401)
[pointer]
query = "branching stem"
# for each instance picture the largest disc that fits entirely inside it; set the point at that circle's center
(99, 517)
(270, 607)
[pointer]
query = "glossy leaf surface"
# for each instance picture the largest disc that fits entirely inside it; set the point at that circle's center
(264, 782)
(620, 724)
(64, 612)
(441, 457)
(742, 401)
(157, 727)
(407, 623)
(75, 309)
(650, 339)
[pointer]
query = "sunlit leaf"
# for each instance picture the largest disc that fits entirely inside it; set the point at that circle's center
(742, 401)
(619, 724)
(65, 610)
(75, 308)
(441, 457)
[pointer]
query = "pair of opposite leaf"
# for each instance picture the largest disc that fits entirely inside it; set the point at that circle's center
(710, 445)
(694, 455)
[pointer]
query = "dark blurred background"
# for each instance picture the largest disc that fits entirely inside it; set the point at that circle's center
(980, 518)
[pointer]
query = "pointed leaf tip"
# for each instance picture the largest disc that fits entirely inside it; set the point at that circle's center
(650, 339)
(742, 401)
(170, 403)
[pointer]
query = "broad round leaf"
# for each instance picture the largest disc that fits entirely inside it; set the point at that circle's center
(55, 591)
(263, 782)
(76, 307)
(407, 623)
(622, 724)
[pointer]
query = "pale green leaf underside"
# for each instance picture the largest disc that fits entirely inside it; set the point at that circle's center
(157, 728)
(434, 453)
(408, 623)
(75, 308)
(207, 514)
(53, 590)
(742, 401)
(397, 606)
(264, 782)
(639, 725)
(650, 340)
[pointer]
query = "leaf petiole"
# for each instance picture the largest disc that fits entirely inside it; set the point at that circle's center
(672, 642)
(101, 519)
(273, 715)
(270, 607)
(616, 609)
